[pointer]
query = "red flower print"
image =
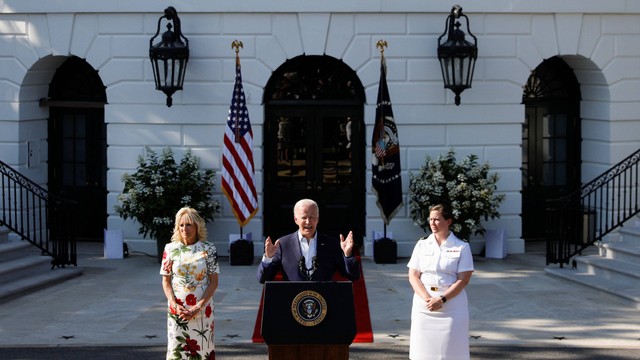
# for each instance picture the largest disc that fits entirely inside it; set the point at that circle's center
(192, 346)
(208, 311)
(191, 300)
(167, 265)
(211, 355)
(178, 302)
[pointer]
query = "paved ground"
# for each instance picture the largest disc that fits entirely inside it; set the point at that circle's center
(116, 309)
(239, 351)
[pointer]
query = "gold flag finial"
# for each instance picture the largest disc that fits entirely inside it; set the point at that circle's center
(237, 44)
(381, 44)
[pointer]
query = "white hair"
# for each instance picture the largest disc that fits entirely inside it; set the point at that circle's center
(306, 202)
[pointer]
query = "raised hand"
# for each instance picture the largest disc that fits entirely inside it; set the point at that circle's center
(347, 244)
(270, 248)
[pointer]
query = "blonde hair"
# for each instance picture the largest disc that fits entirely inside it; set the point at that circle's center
(193, 217)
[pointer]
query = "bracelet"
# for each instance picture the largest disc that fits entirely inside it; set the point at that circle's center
(443, 298)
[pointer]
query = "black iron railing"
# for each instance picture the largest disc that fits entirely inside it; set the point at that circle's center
(38, 217)
(579, 220)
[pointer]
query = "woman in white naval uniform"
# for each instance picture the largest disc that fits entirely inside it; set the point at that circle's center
(439, 270)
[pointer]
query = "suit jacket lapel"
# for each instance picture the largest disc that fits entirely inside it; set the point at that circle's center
(297, 252)
(321, 246)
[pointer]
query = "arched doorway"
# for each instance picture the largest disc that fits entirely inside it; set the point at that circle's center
(77, 144)
(314, 145)
(551, 137)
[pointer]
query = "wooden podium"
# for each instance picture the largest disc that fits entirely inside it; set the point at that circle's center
(308, 320)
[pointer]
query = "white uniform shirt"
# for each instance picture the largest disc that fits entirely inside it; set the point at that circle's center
(440, 265)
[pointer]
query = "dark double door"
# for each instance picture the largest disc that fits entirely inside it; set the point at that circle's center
(77, 150)
(551, 138)
(314, 152)
(551, 162)
(77, 166)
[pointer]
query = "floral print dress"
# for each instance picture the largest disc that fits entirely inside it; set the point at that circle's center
(189, 267)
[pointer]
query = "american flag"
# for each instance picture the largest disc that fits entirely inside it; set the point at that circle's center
(237, 157)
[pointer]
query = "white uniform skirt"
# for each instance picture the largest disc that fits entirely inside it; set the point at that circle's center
(442, 334)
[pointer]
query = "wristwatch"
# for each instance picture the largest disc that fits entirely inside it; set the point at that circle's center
(443, 298)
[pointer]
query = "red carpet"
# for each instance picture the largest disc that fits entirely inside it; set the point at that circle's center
(364, 333)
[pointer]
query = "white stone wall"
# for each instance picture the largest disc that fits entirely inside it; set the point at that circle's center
(600, 40)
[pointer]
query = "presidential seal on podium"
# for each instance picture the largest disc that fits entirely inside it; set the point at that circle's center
(309, 308)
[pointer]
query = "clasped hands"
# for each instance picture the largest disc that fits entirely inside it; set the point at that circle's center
(186, 314)
(345, 243)
(434, 303)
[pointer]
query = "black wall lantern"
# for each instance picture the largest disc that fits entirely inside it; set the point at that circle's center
(169, 57)
(457, 56)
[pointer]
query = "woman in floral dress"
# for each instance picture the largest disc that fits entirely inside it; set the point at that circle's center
(189, 272)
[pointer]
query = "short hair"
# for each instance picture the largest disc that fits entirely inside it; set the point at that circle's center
(193, 218)
(306, 202)
(443, 208)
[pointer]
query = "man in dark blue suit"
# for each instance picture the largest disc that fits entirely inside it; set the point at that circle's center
(307, 255)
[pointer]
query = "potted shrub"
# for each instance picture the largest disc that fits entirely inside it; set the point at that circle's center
(466, 185)
(160, 187)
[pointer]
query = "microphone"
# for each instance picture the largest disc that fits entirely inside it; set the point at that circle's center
(302, 265)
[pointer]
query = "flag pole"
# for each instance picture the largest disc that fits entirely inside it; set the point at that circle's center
(237, 165)
(381, 44)
(236, 45)
(385, 180)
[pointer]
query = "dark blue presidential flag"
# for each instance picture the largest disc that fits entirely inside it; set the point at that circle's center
(386, 181)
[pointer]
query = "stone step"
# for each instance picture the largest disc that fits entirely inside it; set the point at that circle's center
(630, 233)
(616, 277)
(23, 286)
(626, 251)
(14, 249)
(23, 267)
(4, 234)
(614, 268)
(609, 268)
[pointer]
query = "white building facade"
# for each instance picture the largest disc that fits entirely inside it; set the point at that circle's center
(598, 41)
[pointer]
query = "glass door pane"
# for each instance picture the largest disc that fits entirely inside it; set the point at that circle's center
(309, 153)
